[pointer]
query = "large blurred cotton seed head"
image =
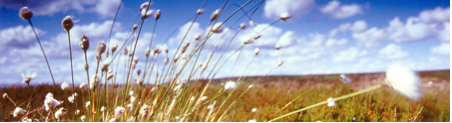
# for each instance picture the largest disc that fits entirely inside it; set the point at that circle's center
(404, 80)
(217, 28)
(25, 13)
(18, 111)
(84, 44)
(67, 23)
(285, 16)
(215, 15)
(157, 14)
(256, 51)
(200, 11)
(100, 47)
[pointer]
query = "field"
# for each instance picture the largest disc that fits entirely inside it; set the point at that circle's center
(272, 93)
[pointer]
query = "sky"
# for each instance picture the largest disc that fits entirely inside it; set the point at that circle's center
(321, 37)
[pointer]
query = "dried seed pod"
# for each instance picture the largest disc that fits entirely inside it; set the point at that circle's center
(139, 72)
(197, 36)
(166, 61)
(215, 15)
(84, 44)
(25, 13)
(277, 47)
(114, 47)
(135, 60)
(110, 76)
(157, 14)
(100, 47)
(67, 23)
(85, 66)
(280, 63)
(157, 50)
(125, 51)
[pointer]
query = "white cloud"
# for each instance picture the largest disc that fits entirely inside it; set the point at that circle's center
(392, 51)
(19, 37)
(335, 42)
(107, 7)
(349, 55)
(413, 30)
(358, 26)
(335, 10)
(436, 15)
(444, 35)
(274, 8)
(370, 37)
(443, 49)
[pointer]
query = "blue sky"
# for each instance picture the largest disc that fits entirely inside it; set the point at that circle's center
(321, 37)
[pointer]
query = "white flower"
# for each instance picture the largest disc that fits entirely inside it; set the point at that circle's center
(230, 85)
(82, 85)
(82, 118)
(331, 102)
(344, 79)
(285, 16)
(18, 111)
(405, 81)
(61, 112)
(256, 51)
(87, 104)
(5, 95)
(27, 77)
(119, 111)
(254, 110)
(217, 28)
(253, 120)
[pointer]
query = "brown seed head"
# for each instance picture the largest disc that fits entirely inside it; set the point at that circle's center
(215, 15)
(67, 23)
(200, 11)
(135, 60)
(114, 47)
(243, 26)
(125, 51)
(134, 27)
(86, 66)
(147, 52)
(139, 72)
(25, 13)
(84, 44)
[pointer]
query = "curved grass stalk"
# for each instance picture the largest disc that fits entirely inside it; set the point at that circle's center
(326, 101)
(111, 29)
(43, 53)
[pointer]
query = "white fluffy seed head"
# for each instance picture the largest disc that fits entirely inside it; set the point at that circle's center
(200, 11)
(230, 85)
(5, 95)
(215, 15)
(119, 111)
(60, 113)
(157, 14)
(252, 23)
(203, 98)
(147, 52)
(280, 62)
(285, 16)
(27, 77)
(256, 51)
(102, 109)
(277, 47)
(18, 111)
(146, 13)
(404, 80)
(217, 28)
(243, 26)
(254, 110)
(83, 118)
(65, 85)
(257, 36)
(87, 104)
(248, 41)
(144, 5)
(134, 27)
(331, 102)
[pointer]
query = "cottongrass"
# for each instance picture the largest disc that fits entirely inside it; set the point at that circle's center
(404, 80)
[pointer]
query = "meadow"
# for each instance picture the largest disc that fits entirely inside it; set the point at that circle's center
(183, 89)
